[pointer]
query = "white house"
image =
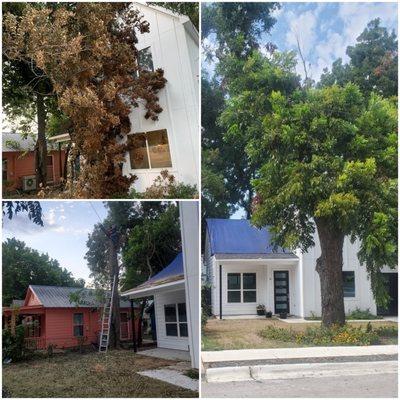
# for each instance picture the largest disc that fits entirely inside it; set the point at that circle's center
(172, 142)
(175, 291)
(244, 270)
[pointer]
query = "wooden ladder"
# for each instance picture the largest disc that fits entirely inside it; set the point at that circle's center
(106, 321)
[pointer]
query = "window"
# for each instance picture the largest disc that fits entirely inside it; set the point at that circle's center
(149, 150)
(49, 161)
(349, 289)
(176, 320)
(145, 60)
(5, 165)
(78, 324)
(32, 324)
(242, 288)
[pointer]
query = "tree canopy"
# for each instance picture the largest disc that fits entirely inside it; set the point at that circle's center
(33, 208)
(24, 266)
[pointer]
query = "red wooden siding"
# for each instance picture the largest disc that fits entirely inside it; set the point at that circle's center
(19, 166)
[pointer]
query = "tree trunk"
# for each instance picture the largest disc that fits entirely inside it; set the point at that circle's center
(115, 317)
(329, 268)
(41, 145)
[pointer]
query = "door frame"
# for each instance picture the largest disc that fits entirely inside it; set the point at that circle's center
(288, 288)
(388, 311)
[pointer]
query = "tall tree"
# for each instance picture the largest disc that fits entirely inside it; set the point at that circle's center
(230, 33)
(373, 62)
(332, 166)
(28, 97)
(24, 266)
(89, 55)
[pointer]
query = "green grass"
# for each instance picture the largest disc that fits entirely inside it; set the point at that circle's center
(192, 373)
(89, 375)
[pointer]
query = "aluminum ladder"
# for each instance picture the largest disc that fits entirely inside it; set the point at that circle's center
(106, 321)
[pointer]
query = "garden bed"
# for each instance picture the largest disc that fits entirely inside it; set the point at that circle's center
(236, 334)
(89, 375)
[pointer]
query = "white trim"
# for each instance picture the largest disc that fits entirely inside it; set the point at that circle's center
(149, 291)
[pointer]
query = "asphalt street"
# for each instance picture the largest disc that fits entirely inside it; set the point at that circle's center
(378, 385)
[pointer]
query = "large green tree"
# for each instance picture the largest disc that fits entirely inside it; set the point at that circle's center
(24, 266)
(332, 167)
(230, 33)
(373, 62)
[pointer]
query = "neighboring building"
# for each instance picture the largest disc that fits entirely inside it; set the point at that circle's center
(253, 272)
(172, 142)
(175, 291)
(18, 155)
(52, 319)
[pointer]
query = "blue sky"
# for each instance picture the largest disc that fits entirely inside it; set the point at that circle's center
(64, 235)
(325, 29)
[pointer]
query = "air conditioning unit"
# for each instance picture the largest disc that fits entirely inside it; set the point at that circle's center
(28, 183)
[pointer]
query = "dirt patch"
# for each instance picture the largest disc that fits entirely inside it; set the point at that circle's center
(90, 375)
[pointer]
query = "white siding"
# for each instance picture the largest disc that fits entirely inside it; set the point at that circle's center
(173, 50)
(168, 342)
(265, 286)
(311, 285)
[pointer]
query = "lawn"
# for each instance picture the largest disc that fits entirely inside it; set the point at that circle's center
(89, 375)
(234, 334)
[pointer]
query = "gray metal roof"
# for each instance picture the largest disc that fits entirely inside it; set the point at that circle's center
(58, 296)
(254, 256)
(15, 142)
(17, 303)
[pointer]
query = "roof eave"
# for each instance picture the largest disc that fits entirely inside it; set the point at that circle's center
(150, 291)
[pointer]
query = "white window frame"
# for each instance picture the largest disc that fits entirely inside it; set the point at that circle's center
(148, 152)
(178, 322)
(241, 290)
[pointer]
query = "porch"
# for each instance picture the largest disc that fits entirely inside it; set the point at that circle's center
(242, 285)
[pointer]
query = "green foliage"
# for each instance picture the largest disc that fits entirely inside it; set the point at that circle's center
(361, 314)
(23, 266)
(205, 304)
(373, 62)
(33, 208)
(387, 331)
(235, 30)
(322, 336)
(332, 156)
(14, 345)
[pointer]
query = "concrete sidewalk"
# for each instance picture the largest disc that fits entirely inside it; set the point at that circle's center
(293, 353)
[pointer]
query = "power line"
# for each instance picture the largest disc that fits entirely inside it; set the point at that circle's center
(98, 216)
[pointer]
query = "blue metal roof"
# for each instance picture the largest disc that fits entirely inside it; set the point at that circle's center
(174, 269)
(238, 236)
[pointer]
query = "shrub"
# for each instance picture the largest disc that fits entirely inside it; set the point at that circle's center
(322, 336)
(14, 345)
(361, 314)
(387, 331)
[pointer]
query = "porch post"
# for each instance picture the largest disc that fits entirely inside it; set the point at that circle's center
(220, 291)
(133, 327)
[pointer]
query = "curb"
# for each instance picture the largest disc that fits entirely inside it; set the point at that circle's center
(298, 371)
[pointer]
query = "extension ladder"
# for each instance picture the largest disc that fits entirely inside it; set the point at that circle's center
(106, 321)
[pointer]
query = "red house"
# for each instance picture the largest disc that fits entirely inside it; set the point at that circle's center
(62, 324)
(18, 159)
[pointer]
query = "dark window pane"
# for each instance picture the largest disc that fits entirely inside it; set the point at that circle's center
(5, 170)
(249, 296)
(138, 151)
(233, 296)
(171, 329)
(281, 306)
(124, 317)
(78, 330)
(146, 59)
(281, 275)
(49, 161)
(170, 313)
(349, 289)
(182, 312)
(78, 319)
(183, 330)
(160, 156)
(233, 281)
(249, 281)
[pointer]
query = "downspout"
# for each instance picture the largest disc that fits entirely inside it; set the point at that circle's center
(220, 291)
(60, 161)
